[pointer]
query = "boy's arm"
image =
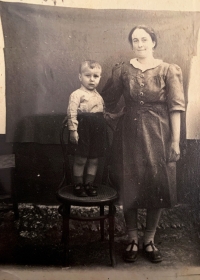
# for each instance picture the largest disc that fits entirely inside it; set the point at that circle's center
(72, 121)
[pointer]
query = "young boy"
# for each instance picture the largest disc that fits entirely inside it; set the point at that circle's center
(87, 128)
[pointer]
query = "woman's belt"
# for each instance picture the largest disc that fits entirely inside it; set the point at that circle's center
(146, 106)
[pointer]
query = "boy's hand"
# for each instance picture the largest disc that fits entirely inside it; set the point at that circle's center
(74, 136)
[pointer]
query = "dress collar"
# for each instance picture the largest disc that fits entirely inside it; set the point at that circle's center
(143, 67)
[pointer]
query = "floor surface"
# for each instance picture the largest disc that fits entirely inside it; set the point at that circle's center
(30, 248)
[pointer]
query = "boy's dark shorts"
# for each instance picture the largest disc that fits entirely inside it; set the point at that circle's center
(93, 140)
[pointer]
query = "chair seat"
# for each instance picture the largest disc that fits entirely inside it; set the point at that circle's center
(105, 196)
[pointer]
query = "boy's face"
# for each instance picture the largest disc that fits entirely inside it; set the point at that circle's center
(90, 78)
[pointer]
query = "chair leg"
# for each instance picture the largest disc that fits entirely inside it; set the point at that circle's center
(65, 234)
(111, 234)
(102, 222)
(14, 194)
(16, 210)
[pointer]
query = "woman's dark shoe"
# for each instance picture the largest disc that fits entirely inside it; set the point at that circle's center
(154, 255)
(79, 190)
(90, 189)
(130, 255)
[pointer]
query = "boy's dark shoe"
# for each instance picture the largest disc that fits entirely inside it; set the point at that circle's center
(90, 189)
(79, 190)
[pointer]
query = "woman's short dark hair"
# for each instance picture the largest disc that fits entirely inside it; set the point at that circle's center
(149, 30)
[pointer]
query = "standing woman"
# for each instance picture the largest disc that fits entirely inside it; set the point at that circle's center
(149, 133)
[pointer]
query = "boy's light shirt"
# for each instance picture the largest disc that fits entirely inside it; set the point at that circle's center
(80, 101)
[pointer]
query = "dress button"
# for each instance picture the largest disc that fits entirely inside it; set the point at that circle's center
(141, 93)
(141, 84)
(142, 75)
(141, 102)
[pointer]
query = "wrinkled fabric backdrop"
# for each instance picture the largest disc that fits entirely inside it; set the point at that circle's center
(43, 49)
(44, 46)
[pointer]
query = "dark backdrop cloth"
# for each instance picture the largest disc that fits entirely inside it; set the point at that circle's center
(44, 46)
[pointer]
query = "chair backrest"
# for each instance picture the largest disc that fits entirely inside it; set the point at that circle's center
(68, 160)
(67, 172)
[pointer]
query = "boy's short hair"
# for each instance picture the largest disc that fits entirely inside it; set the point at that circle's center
(90, 63)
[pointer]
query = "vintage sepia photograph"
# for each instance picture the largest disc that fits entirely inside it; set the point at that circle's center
(99, 139)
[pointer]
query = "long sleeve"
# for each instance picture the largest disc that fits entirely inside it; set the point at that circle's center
(113, 88)
(174, 84)
(74, 102)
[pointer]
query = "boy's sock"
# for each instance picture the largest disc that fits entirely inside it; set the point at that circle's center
(78, 180)
(89, 178)
(89, 187)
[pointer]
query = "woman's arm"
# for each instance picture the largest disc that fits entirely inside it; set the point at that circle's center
(113, 89)
(176, 105)
(174, 152)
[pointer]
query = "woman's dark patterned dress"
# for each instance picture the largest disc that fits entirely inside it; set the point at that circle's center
(142, 139)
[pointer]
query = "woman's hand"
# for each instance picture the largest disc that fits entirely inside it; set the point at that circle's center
(74, 136)
(174, 152)
(174, 149)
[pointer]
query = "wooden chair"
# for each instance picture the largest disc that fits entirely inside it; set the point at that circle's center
(106, 197)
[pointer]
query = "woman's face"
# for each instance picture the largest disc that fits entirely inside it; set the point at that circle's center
(142, 43)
